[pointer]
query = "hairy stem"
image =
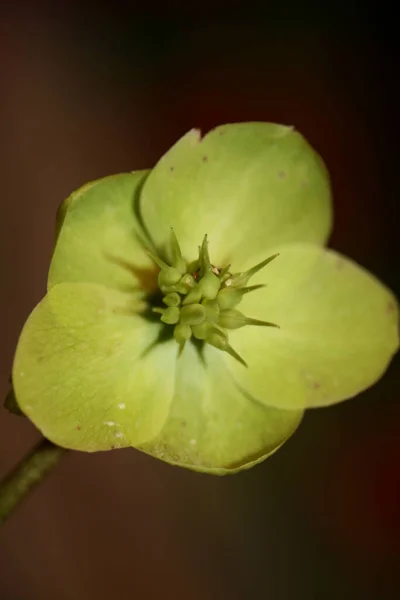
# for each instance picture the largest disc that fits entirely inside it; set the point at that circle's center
(27, 475)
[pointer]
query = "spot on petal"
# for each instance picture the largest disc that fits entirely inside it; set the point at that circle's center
(122, 405)
(390, 308)
(339, 264)
(78, 427)
(171, 169)
(282, 174)
(205, 158)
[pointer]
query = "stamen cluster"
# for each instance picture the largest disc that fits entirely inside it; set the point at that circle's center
(200, 299)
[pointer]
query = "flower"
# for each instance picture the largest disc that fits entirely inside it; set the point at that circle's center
(192, 311)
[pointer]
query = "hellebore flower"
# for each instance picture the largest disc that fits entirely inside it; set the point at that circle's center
(192, 311)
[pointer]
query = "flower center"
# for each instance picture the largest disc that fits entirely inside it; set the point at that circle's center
(200, 300)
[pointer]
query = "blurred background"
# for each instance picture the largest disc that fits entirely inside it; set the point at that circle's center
(89, 92)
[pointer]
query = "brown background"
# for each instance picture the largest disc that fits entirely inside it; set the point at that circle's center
(87, 93)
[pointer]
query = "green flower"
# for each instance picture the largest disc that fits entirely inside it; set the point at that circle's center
(192, 311)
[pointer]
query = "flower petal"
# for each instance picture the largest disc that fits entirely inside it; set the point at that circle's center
(98, 235)
(212, 426)
(248, 186)
(338, 330)
(81, 372)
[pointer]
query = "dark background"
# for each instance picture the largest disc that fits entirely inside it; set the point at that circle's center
(90, 92)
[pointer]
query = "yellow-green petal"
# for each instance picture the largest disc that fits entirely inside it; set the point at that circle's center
(338, 330)
(213, 426)
(99, 235)
(248, 186)
(84, 372)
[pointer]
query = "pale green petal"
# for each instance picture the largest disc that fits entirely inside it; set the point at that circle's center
(212, 426)
(338, 330)
(81, 372)
(97, 238)
(249, 186)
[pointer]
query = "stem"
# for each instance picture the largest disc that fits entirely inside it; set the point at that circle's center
(27, 475)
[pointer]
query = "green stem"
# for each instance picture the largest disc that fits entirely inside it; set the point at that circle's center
(27, 475)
